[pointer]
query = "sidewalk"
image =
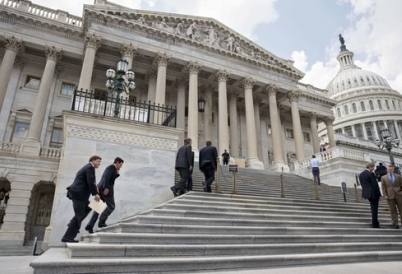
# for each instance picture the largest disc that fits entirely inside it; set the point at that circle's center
(20, 265)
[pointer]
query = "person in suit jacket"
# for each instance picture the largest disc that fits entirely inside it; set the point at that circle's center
(190, 176)
(391, 184)
(371, 191)
(208, 164)
(184, 165)
(106, 191)
(79, 191)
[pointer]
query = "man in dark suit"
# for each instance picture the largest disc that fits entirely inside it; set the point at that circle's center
(371, 191)
(391, 184)
(184, 165)
(106, 190)
(208, 164)
(190, 176)
(79, 191)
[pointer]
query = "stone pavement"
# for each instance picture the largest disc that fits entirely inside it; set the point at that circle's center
(20, 265)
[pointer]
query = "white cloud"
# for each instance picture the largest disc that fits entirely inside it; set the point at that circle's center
(300, 60)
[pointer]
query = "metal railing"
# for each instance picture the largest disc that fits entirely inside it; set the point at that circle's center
(110, 106)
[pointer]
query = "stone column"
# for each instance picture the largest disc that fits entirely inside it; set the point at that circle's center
(314, 132)
(128, 51)
(207, 92)
(353, 131)
(32, 144)
(181, 85)
(192, 132)
(297, 127)
(343, 131)
(277, 145)
(234, 136)
(256, 102)
(13, 46)
(162, 59)
(364, 131)
(223, 127)
(377, 136)
(252, 156)
(92, 44)
(330, 131)
(151, 77)
(398, 134)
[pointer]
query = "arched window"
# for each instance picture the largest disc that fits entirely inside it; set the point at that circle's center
(346, 110)
(362, 106)
(393, 104)
(371, 105)
(386, 104)
(338, 110)
(379, 104)
(354, 108)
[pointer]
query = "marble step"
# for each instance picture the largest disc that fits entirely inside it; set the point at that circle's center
(88, 250)
(59, 259)
(187, 239)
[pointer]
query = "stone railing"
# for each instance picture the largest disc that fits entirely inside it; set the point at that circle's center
(9, 148)
(336, 152)
(58, 15)
(50, 152)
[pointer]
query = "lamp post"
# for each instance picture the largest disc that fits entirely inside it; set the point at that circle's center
(388, 143)
(201, 105)
(117, 83)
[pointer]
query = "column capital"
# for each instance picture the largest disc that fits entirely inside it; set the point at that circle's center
(193, 67)
(162, 59)
(329, 120)
(180, 83)
(233, 95)
(52, 52)
(241, 110)
(92, 41)
(12, 43)
(19, 62)
(272, 89)
(248, 82)
(313, 116)
(293, 96)
(222, 75)
(150, 75)
(129, 50)
(257, 99)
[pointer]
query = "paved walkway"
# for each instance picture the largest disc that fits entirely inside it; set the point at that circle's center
(20, 265)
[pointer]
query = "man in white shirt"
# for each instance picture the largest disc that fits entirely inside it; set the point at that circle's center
(315, 168)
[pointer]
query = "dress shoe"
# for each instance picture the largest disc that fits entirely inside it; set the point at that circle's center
(64, 240)
(89, 229)
(102, 225)
(204, 186)
(396, 226)
(376, 226)
(174, 191)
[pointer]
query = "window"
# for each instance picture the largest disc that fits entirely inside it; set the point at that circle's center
(362, 106)
(379, 104)
(100, 94)
(393, 104)
(354, 108)
(20, 132)
(371, 105)
(306, 137)
(338, 110)
(67, 89)
(57, 138)
(386, 104)
(132, 99)
(348, 131)
(32, 82)
(359, 132)
(289, 133)
(346, 110)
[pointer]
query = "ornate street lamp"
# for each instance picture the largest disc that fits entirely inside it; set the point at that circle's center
(388, 143)
(117, 83)
(201, 105)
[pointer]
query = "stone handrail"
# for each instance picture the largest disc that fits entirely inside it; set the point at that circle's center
(50, 152)
(9, 148)
(58, 15)
(336, 152)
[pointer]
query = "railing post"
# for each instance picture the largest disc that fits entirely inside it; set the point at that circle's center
(217, 182)
(234, 183)
(282, 188)
(357, 196)
(104, 110)
(74, 98)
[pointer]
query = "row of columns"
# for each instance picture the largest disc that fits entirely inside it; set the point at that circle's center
(375, 129)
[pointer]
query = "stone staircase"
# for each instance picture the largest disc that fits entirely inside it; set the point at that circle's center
(208, 231)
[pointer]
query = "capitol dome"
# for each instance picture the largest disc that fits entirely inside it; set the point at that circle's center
(351, 76)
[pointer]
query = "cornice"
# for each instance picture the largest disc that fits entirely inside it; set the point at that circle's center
(366, 148)
(369, 114)
(29, 163)
(260, 58)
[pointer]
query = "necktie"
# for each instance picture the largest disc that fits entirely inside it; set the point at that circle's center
(392, 178)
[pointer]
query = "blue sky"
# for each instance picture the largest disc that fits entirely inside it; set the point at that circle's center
(305, 31)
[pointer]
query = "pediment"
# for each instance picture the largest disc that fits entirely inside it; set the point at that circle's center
(203, 32)
(24, 110)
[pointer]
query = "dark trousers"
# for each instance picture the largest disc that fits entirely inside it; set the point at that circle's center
(225, 161)
(209, 174)
(81, 211)
(374, 211)
(184, 175)
(316, 174)
(190, 181)
(109, 200)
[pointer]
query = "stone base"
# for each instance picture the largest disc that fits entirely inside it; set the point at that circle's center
(280, 167)
(254, 163)
(30, 148)
(12, 238)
